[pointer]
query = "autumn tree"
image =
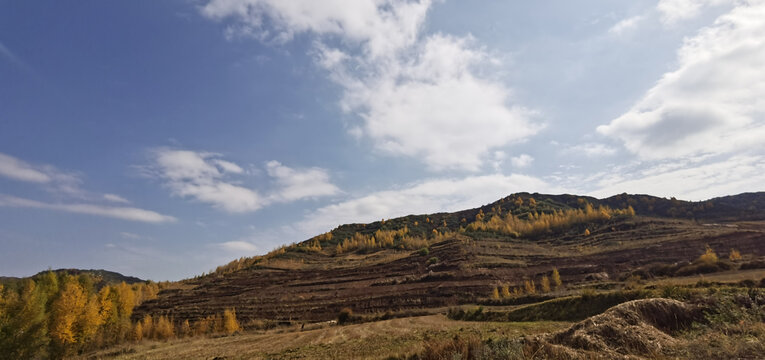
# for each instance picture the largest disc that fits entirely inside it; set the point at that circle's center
(495, 294)
(185, 329)
(529, 287)
(230, 323)
(734, 255)
(556, 278)
(545, 284)
(66, 311)
(23, 328)
(505, 291)
(709, 256)
(163, 329)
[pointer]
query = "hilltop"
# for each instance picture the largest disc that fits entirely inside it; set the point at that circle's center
(101, 277)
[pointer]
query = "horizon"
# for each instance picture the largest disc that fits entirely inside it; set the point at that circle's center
(162, 139)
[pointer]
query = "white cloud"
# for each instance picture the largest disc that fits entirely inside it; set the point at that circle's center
(714, 103)
(205, 177)
(116, 198)
(123, 213)
(238, 246)
(295, 184)
(434, 98)
(522, 160)
(428, 196)
(16, 169)
(201, 176)
(673, 11)
(381, 25)
(625, 25)
(689, 180)
(591, 150)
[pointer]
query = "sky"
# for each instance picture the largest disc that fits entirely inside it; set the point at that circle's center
(161, 139)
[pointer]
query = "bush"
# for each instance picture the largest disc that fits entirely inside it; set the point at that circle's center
(344, 316)
(424, 252)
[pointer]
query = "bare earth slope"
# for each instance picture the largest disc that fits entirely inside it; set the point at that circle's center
(466, 266)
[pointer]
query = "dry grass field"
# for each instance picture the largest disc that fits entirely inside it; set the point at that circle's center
(375, 340)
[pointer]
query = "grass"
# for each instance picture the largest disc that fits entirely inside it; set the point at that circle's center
(377, 340)
(570, 308)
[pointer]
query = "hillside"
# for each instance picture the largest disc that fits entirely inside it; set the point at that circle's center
(418, 263)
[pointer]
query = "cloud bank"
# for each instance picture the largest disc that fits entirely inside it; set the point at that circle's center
(435, 98)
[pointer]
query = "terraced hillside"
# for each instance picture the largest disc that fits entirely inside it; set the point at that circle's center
(457, 258)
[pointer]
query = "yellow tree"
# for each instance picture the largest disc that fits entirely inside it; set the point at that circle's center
(163, 329)
(556, 278)
(545, 283)
(230, 323)
(529, 286)
(65, 312)
(734, 255)
(185, 328)
(495, 294)
(505, 291)
(89, 322)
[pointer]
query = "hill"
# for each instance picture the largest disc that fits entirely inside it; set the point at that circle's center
(102, 277)
(418, 263)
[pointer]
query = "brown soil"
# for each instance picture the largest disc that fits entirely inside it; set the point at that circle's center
(317, 286)
(639, 328)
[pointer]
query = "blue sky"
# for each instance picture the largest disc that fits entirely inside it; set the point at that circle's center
(163, 138)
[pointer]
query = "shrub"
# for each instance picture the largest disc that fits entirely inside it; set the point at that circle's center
(432, 260)
(734, 255)
(423, 252)
(344, 316)
(709, 256)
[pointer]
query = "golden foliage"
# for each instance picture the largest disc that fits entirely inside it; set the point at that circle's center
(545, 284)
(709, 256)
(495, 294)
(529, 287)
(66, 310)
(734, 255)
(556, 278)
(537, 223)
(230, 323)
(505, 291)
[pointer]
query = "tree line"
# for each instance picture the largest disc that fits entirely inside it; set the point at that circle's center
(54, 315)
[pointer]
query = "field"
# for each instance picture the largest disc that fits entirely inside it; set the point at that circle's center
(376, 340)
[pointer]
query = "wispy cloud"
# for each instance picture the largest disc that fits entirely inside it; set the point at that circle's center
(434, 98)
(200, 175)
(239, 247)
(16, 169)
(123, 213)
(116, 198)
(591, 150)
(625, 25)
(11, 57)
(205, 177)
(295, 184)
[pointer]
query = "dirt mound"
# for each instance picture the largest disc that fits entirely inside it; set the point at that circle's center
(634, 329)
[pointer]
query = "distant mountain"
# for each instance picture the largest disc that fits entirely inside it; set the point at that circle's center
(102, 277)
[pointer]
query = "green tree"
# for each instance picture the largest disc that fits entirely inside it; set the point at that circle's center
(23, 326)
